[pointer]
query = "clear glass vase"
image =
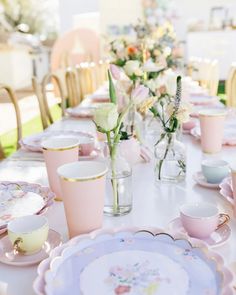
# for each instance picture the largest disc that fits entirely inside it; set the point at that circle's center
(118, 200)
(170, 163)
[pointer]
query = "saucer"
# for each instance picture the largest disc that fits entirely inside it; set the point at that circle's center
(217, 238)
(201, 180)
(7, 256)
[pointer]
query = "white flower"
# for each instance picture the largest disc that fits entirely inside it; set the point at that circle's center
(106, 116)
(150, 66)
(118, 45)
(183, 112)
(139, 94)
(170, 82)
(133, 67)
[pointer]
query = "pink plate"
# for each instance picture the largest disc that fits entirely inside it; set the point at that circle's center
(217, 238)
(92, 156)
(229, 132)
(203, 99)
(200, 179)
(81, 112)
(8, 257)
(33, 142)
(226, 190)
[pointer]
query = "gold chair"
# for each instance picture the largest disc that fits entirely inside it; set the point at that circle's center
(14, 101)
(40, 90)
(2, 155)
(86, 80)
(230, 87)
(74, 94)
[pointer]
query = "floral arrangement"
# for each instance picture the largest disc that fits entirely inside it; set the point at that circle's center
(109, 120)
(29, 16)
(171, 113)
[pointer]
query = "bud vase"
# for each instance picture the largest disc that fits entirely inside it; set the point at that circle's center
(118, 200)
(170, 159)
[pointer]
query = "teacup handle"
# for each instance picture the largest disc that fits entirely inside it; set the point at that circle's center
(16, 246)
(224, 218)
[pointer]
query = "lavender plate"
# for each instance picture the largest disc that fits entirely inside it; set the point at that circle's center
(133, 262)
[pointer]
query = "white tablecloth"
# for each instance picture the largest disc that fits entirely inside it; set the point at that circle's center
(153, 204)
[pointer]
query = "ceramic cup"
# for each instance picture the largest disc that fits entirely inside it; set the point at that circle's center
(215, 170)
(200, 220)
(58, 151)
(28, 234)
(83, 189)
(86, 146)
(212, 129)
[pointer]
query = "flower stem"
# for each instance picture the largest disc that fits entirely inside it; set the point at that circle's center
(165, 155)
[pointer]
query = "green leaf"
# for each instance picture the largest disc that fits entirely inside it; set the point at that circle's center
(154, 111)
(112, 91)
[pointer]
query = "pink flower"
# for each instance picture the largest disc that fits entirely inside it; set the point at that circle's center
(115, 71)
(139, 94)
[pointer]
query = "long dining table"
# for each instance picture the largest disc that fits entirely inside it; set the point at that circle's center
(154, 204)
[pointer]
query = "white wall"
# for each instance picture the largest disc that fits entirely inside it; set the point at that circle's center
(69, 8)
(199, 10)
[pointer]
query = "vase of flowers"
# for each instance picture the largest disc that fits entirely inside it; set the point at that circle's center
(169, 152)
(109, 121)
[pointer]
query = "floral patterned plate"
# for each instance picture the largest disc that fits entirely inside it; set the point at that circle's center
(132, 262)
(22, 198)
(33, 142)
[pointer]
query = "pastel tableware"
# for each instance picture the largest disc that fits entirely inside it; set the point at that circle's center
(215, 170)
(226, 190)
(86, 146)
(83, 189)
(201, 180)
(7, 256)
(130, 149)
(28, 234)
(200, 220)
(122, 259)
(58, 151)
(217, 238)
(233, 175)
(212, 127)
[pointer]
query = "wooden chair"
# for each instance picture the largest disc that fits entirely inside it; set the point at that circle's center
(230, 87)
(40, 90)
(86, 78)
(14, 101)
(74, 94)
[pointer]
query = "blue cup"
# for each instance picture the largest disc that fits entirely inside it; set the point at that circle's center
(215, 170)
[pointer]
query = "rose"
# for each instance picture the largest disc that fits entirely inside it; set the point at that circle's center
(183, 112)
(150, 66)
(132, 67)
(139, 94)
(106, 116)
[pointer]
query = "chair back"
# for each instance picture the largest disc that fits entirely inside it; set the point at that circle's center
(14, 101)
(230, 87)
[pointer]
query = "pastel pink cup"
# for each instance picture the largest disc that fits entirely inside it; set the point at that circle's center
(212, 130)
(86, 146)
(83, 189)
(200, 220)
(58, 151)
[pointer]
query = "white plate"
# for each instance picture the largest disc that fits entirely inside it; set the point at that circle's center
(8, 257)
